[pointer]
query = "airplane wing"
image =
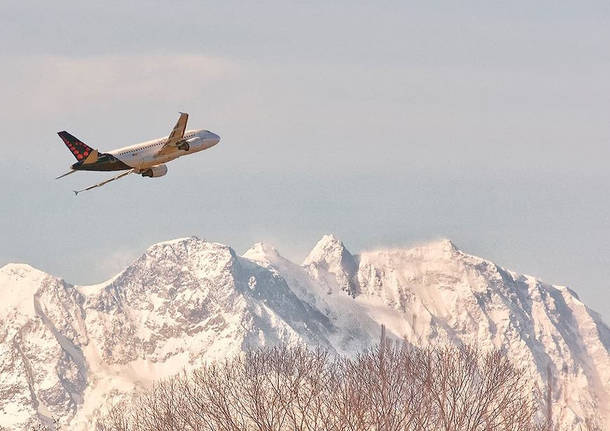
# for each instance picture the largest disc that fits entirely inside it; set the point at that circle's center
(174, 138)
(76, 192)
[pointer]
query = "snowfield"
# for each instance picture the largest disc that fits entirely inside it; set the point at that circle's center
(67, 351)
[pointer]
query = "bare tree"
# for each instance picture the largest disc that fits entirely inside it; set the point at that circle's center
(392, 387)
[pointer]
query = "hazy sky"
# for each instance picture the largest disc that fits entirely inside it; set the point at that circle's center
(386, 123)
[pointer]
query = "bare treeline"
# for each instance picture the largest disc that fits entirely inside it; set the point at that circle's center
(392, 387)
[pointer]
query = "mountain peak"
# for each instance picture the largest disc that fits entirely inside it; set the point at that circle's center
(443, 245)
(330, 237)
(331, 255)
(262, 252)
(328, 246)
(186, 239)
(17, 268)
(18, 284)
(264, 248)
(185, 247)
(446, 242)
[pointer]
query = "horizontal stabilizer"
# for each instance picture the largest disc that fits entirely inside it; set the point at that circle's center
(67, 173)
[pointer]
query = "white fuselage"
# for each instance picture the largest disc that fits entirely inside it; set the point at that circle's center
(145, 155)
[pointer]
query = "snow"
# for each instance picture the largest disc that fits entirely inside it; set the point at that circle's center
(93, 289)
(19, 283)
(261, 251)
(173, 242)
(188, 301)
(327, 246)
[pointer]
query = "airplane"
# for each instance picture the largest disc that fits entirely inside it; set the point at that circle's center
(147, 158)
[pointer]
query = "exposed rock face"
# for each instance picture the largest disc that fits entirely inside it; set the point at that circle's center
(441, 294)
(43, 372)
(66, 350)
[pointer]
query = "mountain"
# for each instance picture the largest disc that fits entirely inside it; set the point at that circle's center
(66, 351)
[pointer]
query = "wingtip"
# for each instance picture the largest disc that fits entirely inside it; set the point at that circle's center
(76, 192)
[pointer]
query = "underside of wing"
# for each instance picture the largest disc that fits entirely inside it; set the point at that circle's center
(175, 137)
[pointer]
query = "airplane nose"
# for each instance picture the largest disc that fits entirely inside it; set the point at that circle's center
(215, 138)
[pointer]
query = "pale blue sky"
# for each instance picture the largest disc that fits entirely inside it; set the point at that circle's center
(386, 123)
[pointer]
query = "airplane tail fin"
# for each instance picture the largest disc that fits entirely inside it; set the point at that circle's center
(80, 151)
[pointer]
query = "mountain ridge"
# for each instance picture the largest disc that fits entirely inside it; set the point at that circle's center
(187, 301)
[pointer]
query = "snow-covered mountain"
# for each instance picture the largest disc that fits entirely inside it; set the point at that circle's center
(66, 350)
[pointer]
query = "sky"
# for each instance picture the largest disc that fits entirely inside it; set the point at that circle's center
(386, 123)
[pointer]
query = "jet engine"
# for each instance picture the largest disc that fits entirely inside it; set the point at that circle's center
(186, 145)
(155, 171)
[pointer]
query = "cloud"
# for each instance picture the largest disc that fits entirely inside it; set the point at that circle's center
(42, 83)
(112, 263)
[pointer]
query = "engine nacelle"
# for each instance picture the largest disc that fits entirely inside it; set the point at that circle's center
(186, 145)
(155, 171)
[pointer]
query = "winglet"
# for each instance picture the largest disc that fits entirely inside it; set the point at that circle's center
(178, 131)
(175, 136)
